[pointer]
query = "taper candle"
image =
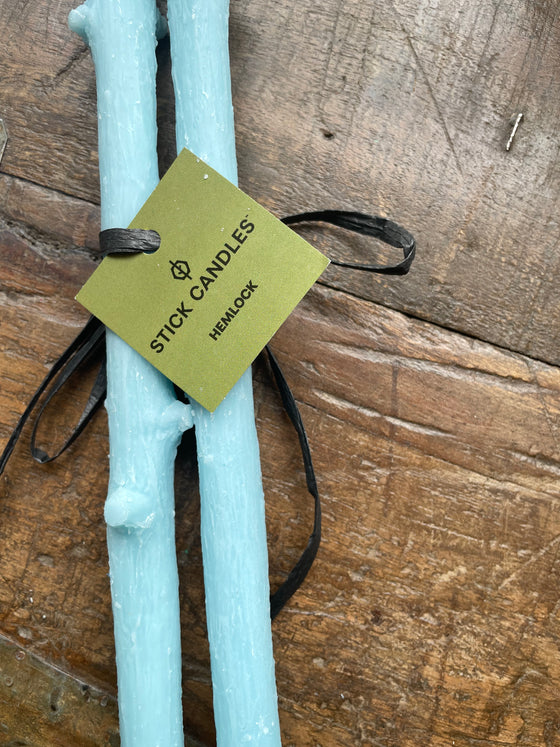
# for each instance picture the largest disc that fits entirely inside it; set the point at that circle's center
(232, 503)
(145, 419)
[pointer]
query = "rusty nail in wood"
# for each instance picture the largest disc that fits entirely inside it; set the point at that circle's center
(515, 120)
(3, 138)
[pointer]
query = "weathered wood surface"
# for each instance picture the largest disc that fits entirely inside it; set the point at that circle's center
(431, 615)
(401, 107)
(44, 706)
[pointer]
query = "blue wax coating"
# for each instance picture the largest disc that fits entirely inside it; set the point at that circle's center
(145, 419)
(232, 502)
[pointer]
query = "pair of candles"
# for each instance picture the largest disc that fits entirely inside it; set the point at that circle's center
(146, 420)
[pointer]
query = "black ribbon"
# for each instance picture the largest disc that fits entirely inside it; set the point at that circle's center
(298, 573)
(90, 345)
(369, 225)
(128, 241)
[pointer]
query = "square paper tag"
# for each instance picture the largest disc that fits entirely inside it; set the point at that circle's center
(226, 276)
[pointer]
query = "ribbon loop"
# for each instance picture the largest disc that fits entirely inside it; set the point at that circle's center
(298, 573)
(369, 225)
(88, 342)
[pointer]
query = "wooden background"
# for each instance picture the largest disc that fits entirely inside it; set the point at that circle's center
(431, 616)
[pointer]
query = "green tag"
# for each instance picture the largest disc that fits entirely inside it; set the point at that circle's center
(226, 276)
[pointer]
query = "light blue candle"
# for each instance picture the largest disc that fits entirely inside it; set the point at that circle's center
(145, 419)
(232, 504)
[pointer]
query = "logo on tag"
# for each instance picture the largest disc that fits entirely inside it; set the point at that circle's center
(246, 271)
(180, 269)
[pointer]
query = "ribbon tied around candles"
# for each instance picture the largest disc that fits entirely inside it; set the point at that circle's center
(90, 345)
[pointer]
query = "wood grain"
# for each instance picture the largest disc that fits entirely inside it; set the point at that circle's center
(401, 108)
(41, 705)
(431, 614)
(431, 402)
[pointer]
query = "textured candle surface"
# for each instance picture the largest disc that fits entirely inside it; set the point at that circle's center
(232, 504)
(145, 419)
